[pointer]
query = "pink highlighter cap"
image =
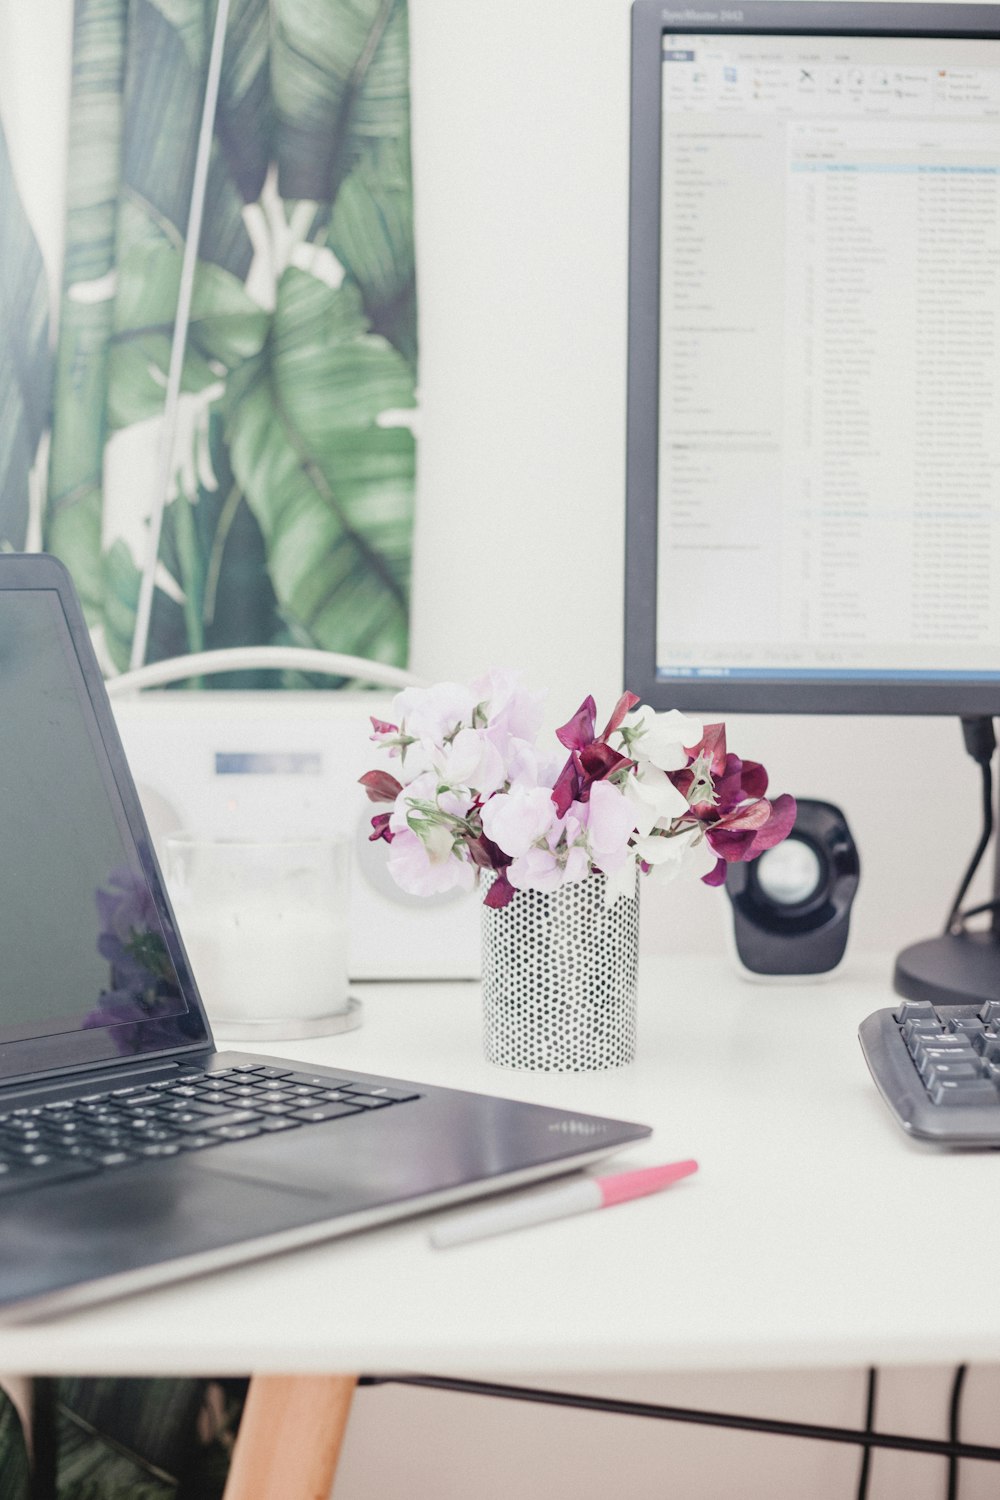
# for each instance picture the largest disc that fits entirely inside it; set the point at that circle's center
(625, 1186)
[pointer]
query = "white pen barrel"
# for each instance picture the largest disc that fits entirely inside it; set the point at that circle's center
(499, 1218)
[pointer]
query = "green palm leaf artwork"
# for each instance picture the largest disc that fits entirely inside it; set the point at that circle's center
(287, 514)
(25, 361)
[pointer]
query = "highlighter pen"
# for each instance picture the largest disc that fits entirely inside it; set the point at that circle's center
(560, 1202)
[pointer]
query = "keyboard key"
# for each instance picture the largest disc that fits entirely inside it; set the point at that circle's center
(954, 1091)
(912, 1010)
(214, 1122)
(966, 1025)
(931, 1070)
(326, 1112)
(279, 1122)
(990, 1012)
(236, 1132)
(317, 1080)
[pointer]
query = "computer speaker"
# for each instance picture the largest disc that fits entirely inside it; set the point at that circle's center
(791, 906)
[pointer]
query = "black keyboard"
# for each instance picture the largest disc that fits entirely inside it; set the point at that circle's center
(196, 1111)
(938, 1069)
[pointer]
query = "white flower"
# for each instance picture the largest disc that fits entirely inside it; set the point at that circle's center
(663, 739)
(654, 799)
(669, 855)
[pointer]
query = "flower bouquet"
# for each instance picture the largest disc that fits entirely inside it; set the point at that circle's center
(474, 792)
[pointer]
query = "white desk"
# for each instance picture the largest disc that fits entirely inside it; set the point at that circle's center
(801, 1242)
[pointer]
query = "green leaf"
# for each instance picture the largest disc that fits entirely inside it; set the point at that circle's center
(371, 234)
(164, 95)
(25, 361)
(339, 78)
(226, 327)
(341, 84)
(72, 523)
(331, 490)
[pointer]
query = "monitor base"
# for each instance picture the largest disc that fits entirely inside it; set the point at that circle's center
(950, 970)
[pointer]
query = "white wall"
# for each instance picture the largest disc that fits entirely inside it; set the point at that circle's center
(520, 114)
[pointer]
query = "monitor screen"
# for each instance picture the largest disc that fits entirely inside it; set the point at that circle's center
(814, 372)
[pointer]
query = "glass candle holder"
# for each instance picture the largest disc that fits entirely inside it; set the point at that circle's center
(264, 922)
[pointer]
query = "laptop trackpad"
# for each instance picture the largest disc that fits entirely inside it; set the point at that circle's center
(121, 1222)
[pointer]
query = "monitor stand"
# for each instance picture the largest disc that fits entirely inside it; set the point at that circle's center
(954, 969)
(962, 967)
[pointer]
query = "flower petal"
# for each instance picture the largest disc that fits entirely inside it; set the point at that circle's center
(380, 786)
(579, 730)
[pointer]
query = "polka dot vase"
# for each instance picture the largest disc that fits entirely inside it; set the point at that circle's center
(559, 979)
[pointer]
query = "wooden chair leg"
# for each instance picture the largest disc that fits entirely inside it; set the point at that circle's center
(290, 1436)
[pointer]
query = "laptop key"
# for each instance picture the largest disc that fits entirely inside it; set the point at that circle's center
(221, 1120)
(325, 1112)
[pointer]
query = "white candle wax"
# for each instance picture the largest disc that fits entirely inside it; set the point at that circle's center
(258, 962)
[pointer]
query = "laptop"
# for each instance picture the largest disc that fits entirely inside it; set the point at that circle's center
(132, 1151)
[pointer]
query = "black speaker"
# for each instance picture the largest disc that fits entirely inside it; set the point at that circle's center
(792, 905)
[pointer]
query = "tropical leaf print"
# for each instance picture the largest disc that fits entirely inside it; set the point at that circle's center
(25, 361)
(289, 505)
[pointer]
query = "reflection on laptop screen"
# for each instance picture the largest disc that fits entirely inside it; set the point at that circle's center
(81, 942)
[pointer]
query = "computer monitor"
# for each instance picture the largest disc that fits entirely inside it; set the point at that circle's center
(813, 519)
(813, 476)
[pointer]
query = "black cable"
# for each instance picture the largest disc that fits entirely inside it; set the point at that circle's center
(953, 1420)
(899, 1442)
(980, 742)
(866, 1452)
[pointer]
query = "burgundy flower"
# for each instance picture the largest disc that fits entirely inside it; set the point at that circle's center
(625, 704)
(579, 730)
(500, 892)
(380, 828)
(380, 786)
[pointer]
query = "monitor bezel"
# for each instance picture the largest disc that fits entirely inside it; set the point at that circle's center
(650, 20)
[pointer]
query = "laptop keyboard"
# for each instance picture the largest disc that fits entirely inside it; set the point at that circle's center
(63, 1139)
(938, 1069)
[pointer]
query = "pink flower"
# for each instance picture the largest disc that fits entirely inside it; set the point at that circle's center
(433, 713)
(518, 819)
(471, 759)
(610, 826)
(509, 708)
(426, 867)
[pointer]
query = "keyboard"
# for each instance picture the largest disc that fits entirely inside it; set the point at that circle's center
(938, 1069)
(196, 1111)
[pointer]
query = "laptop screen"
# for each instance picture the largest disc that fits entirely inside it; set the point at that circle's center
(82, 934)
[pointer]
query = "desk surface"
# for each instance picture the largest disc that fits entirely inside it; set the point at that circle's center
(815, 1233)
